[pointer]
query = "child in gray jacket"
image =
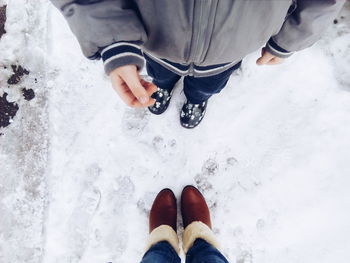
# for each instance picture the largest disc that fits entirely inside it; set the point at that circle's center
(204, 41)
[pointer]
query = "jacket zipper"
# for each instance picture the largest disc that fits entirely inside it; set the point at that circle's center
(191, 69)
(199, 31)
(208, 30)
(202, 20)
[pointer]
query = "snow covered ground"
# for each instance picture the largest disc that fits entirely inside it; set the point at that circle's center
(79, 170)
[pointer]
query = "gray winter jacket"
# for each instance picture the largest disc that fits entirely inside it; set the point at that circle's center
(194, 32)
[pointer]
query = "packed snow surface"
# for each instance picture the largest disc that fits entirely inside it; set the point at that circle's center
(79, 169)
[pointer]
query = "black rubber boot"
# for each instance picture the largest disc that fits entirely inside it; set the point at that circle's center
(162, 97)
(192, 114)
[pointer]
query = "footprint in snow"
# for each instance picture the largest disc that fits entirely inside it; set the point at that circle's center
(117, 242)
(144, 204)
(92, 173)
(245, 256)
(209, 168)
(122, 193)
(134, 121)
(164, 147)
(80, 222)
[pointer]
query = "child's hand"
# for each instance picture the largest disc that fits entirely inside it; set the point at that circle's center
(133, 90)
(268, 59)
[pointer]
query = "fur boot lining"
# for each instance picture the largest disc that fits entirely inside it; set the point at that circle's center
(196, 230)
(163, 233)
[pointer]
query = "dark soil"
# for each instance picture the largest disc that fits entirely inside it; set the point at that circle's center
(18, 73)
(2, 20)
(7, 111)
(28, 94)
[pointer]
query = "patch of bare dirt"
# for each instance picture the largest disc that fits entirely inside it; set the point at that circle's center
(18, 73)
(2, 20)
(7, 111)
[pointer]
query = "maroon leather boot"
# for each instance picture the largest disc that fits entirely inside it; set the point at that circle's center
(194, 207)
(163, 211)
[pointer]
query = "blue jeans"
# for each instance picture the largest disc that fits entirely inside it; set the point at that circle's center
(196, 89)
(200, 252)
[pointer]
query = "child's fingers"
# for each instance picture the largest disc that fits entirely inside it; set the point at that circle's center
(264, 59)
(275, 61)
(150, 87)
(122, 89)
(125, 94)
(126, 82)
(136, 104)
(129, 98)
(133, 82)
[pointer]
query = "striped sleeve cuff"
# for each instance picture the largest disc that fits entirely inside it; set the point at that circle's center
(273, 48)
(121, 54)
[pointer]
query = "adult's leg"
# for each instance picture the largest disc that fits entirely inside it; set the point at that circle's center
(163, 244)
(199, 242)
(200, 89)
(202, 251)
(161, 252)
